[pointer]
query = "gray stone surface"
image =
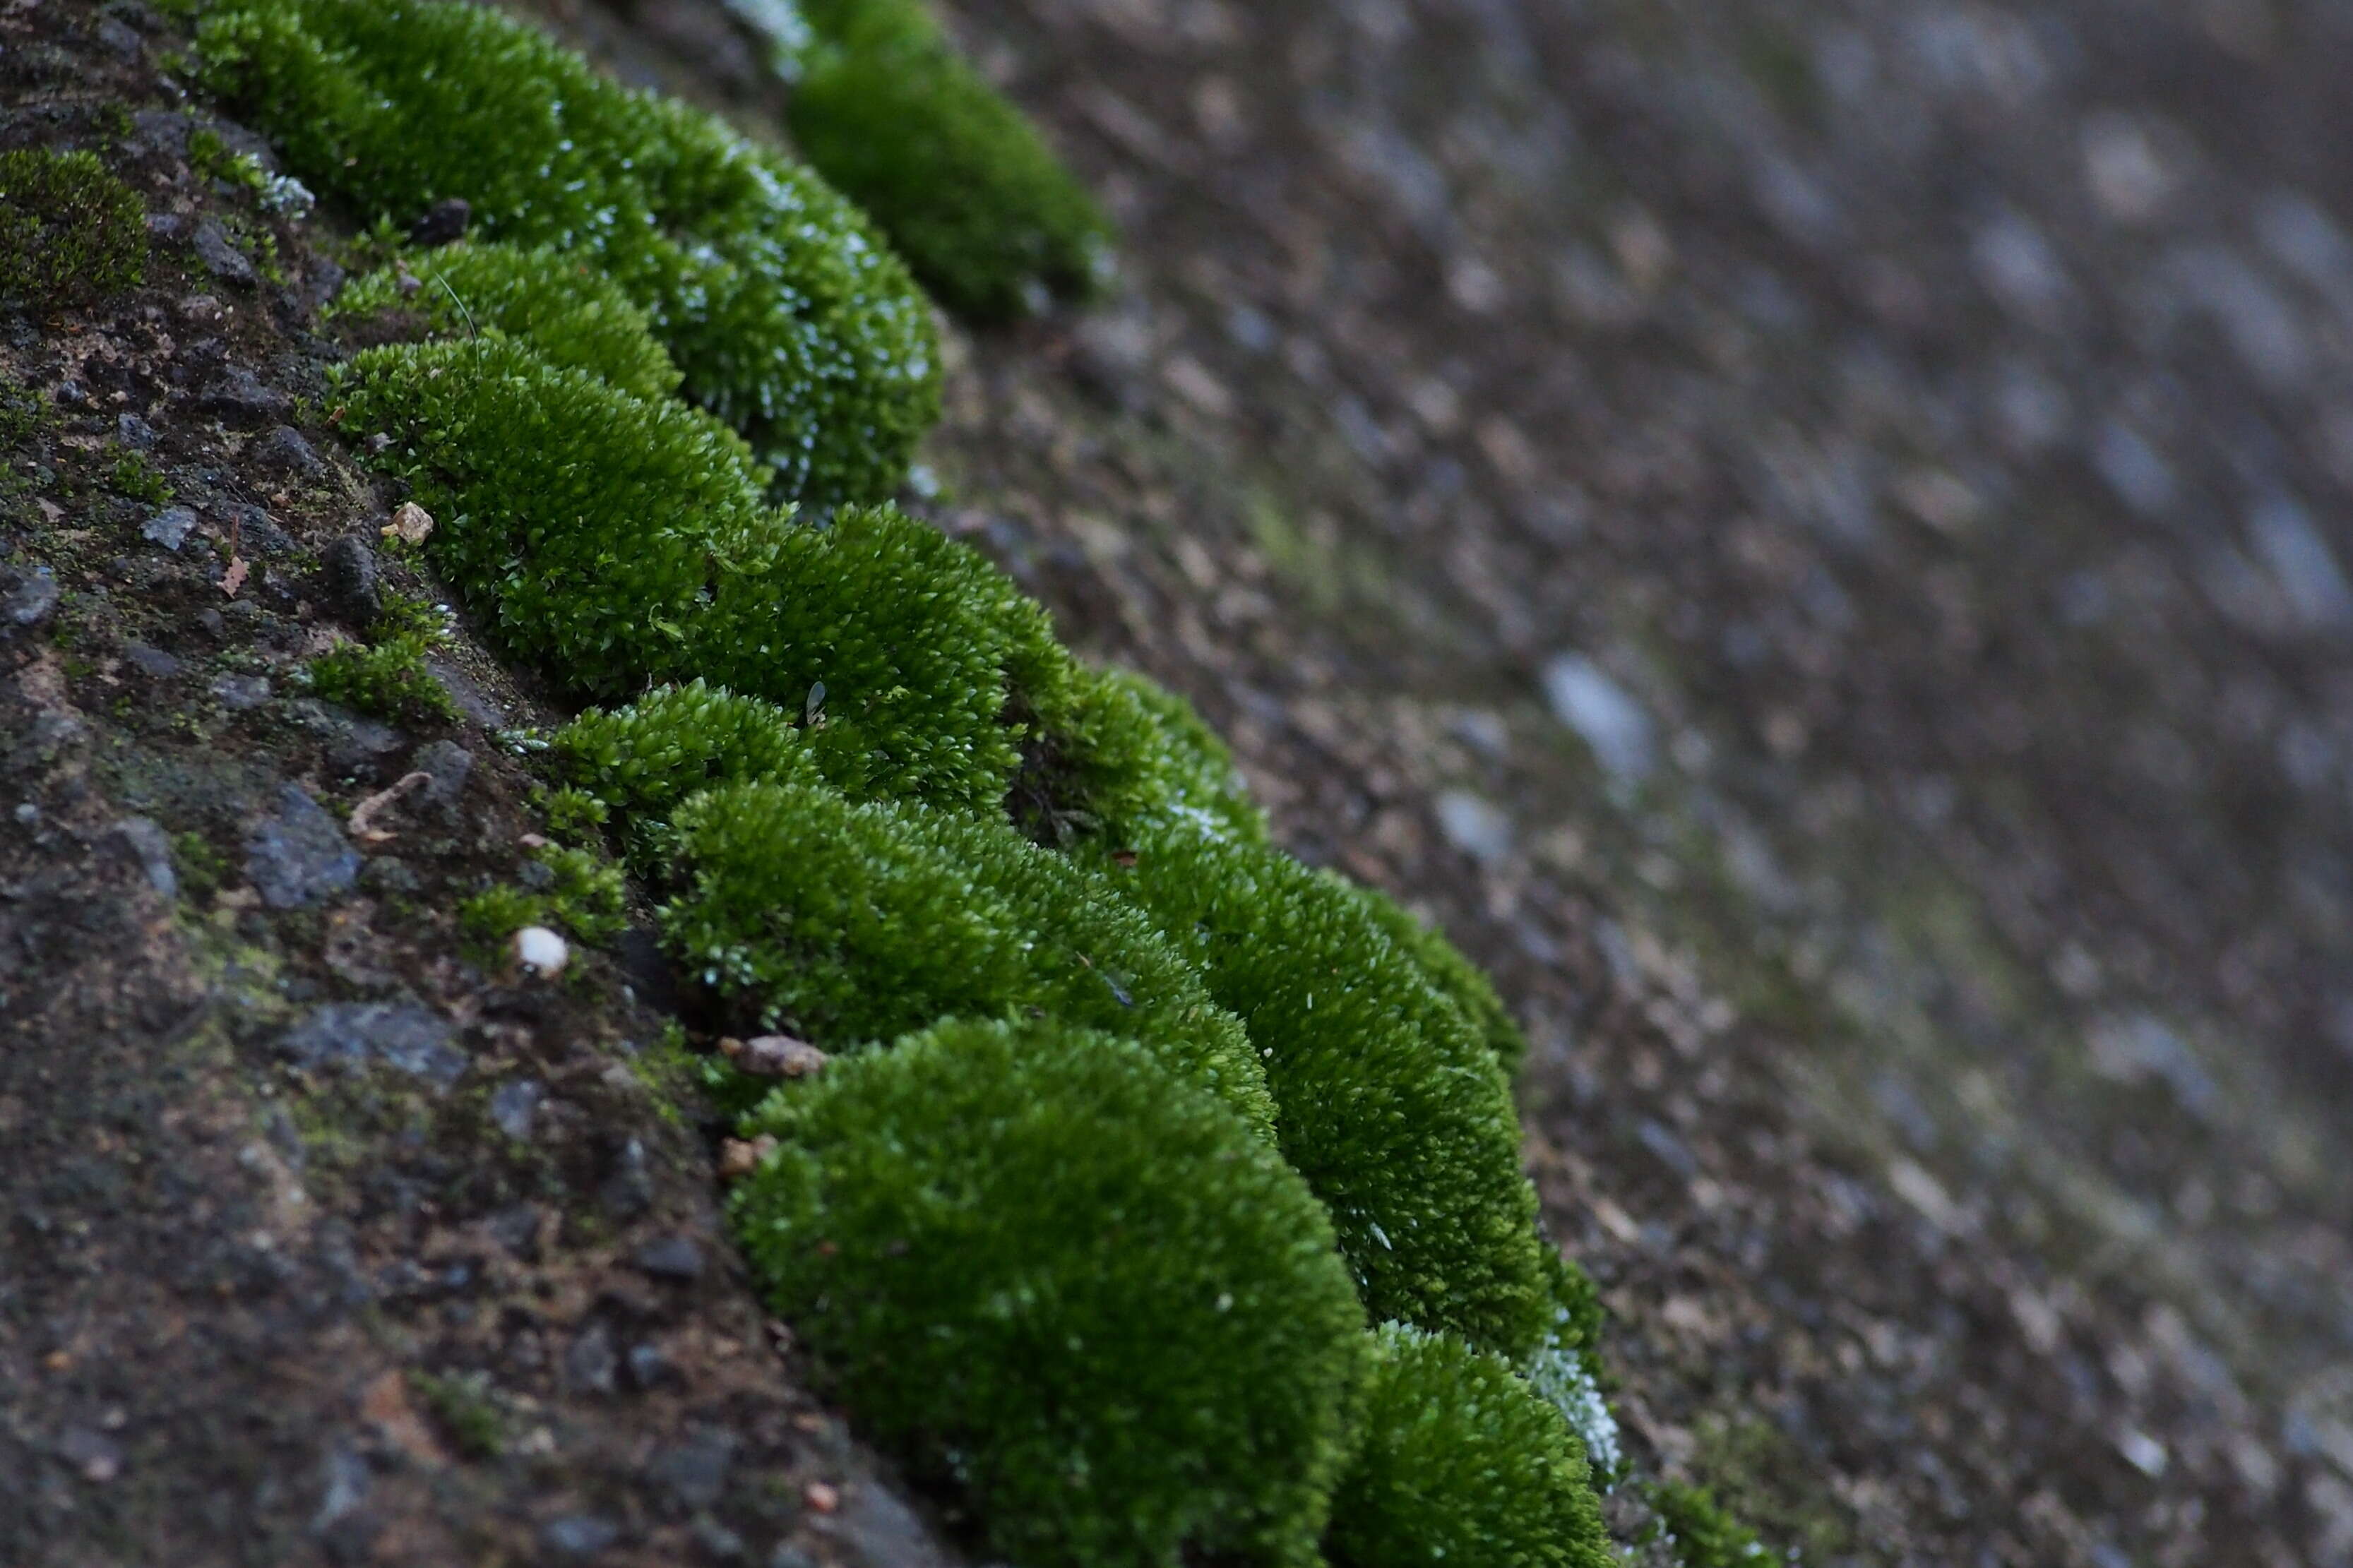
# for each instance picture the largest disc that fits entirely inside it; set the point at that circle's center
(297, 854)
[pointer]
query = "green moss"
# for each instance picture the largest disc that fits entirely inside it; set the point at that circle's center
(786, 314)
(388, 679)
(575, 890)
(1386, 1100)
(621, 541)
(461, 1404)
(69, 230)
(1120, 759)
(1460, 1462)
(1701, 1533)
(131, 474)
(673, 742)
(1454, 977)
(987, 217)
(565, 309)
(1567, 1372)
(850, 924)
(202, 869)
(1074, 1289)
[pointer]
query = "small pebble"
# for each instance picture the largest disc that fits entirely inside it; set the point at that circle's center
(541, 952)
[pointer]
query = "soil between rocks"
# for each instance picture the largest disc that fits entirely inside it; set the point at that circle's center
(1810, 537)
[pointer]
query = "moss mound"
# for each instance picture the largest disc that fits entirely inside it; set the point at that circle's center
(989, 220)
(69, 230)
(788, 315)
(853, 924)
(573, 314)
(1461, 1463)
(1388, 1102)
(1081, 1292)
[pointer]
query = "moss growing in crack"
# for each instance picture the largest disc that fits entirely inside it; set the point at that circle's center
(565, 309)
(69, 230)
(1073, 1287)
(1386, 1100)
(853, 924)
(788, 315)
(989, 220)
(1460, 1462)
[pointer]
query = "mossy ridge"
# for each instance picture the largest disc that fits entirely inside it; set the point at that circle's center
(788, 315)
(1459, 1462)
(1387, 1101)
(987, 217)
(1075, 1287)
(70, 229)
(854, 923)
(708, 554)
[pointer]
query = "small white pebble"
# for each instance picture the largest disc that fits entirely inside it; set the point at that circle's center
(541, 950)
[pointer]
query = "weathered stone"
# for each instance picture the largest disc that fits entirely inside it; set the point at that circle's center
(284, 450)
(170, 527)
(353, 590)
(220, 254)
(442, 223)
(31, 600)
(238, 393)
(673, 1258)
(297, 855)
(348, 1035)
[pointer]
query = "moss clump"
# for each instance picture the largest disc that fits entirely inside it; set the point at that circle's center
(1123, 759)
(1461, 1463)
(565, 889)
(387, 678)
(1073, 1287)
(1701, 1533)
(789, 317)
(989, 220)
(622, 542)
(462, 1404)
(853, 924)
(69, 230)
(131, 474)
(1387, 1101)
(650, 756)
(562, 307)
